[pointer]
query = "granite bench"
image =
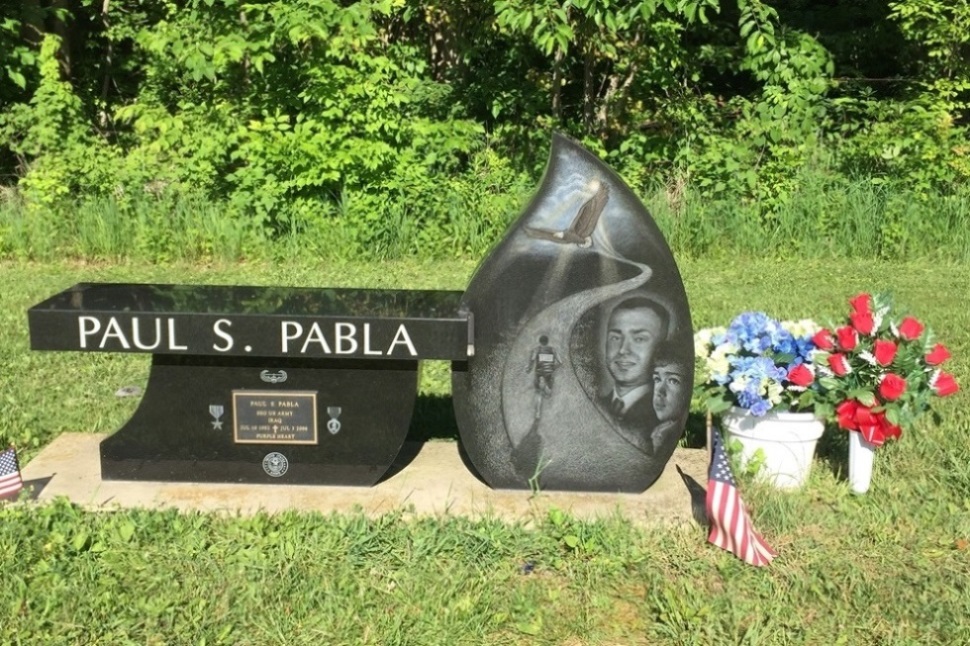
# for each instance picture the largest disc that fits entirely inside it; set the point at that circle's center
(260, 384)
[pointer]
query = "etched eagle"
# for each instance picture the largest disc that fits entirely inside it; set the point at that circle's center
(580, 230)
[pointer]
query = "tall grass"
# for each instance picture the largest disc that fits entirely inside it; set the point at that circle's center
(463, 216)
(821, 220)
(146, 228)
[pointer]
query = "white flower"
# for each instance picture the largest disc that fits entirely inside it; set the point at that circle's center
(739, 384)
(704, 338)
(718, 366)
(880, 313)
(877, 321)
(725, 350)
(700, 349)
(802, 328)
(774, 392)
(868, 357)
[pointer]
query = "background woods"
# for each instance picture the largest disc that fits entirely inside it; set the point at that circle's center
(201, 128)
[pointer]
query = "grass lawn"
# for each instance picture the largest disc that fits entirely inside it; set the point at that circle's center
(892, 566)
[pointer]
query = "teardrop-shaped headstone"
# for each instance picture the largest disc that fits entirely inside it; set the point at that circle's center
(583, 360)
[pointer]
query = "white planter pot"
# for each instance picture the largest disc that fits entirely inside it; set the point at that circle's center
(786, 439)
(861, 454)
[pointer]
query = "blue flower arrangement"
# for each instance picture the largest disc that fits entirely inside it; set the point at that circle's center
(757, 363)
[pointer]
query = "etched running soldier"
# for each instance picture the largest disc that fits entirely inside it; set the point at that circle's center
(544, 363)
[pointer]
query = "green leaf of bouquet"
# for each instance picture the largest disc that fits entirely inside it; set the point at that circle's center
(864, 397)
(829, 383)
(783, 358)
(824, 410)
(717, 405)
(892, 415)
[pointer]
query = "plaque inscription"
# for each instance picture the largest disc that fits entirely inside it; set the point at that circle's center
(280, 417)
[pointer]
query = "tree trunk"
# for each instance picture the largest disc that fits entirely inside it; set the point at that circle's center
(32, 22)
(108, 62)
(64, 30)
(589, 92)
(557, 85)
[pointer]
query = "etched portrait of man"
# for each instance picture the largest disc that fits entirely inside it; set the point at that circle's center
(672, 382)
(636, 326)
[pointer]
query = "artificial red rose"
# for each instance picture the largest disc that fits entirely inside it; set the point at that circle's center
(846, 414)
(945, 384)
(910, 328)
(823, 340)
(937, 355)
(861, 303)
(892, 387)
(863, 322)
(848, 339)
(839, 364)
(884, 351)
(801, 376)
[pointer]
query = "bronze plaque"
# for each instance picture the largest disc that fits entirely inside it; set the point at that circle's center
(274, 417)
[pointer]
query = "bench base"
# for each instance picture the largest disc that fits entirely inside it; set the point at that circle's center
(251, 419)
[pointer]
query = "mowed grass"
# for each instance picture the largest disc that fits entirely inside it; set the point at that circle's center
(892, 566)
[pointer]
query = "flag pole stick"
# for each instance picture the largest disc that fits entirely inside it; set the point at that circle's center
(710, 437)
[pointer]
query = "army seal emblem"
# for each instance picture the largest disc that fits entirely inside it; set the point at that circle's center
(275, 464)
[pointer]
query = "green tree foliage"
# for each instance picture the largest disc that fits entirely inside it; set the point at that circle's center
(47, 133)
(398, 125)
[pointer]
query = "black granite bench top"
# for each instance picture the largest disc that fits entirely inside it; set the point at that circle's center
(269, 321)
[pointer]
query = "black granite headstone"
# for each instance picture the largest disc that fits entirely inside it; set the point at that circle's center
(583, 347)
(260, 384)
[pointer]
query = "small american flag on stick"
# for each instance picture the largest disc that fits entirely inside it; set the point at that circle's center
(11, 481)
(731, 527)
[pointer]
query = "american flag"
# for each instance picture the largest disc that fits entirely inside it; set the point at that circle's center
(10, 480)
(731, 527)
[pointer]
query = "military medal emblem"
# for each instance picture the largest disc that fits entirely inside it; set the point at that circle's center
(273, 377)
(334, 424)
(216, 411)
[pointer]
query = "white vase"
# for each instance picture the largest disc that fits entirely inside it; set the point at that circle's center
(861, 454)
(786, 439)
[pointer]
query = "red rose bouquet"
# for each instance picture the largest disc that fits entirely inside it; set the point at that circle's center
(879, 372)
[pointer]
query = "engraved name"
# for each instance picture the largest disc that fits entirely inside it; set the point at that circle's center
(303, 338)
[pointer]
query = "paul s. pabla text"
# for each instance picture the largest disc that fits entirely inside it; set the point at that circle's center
(305, 338)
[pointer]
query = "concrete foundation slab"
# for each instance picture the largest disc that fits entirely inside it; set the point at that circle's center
(427, 479)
